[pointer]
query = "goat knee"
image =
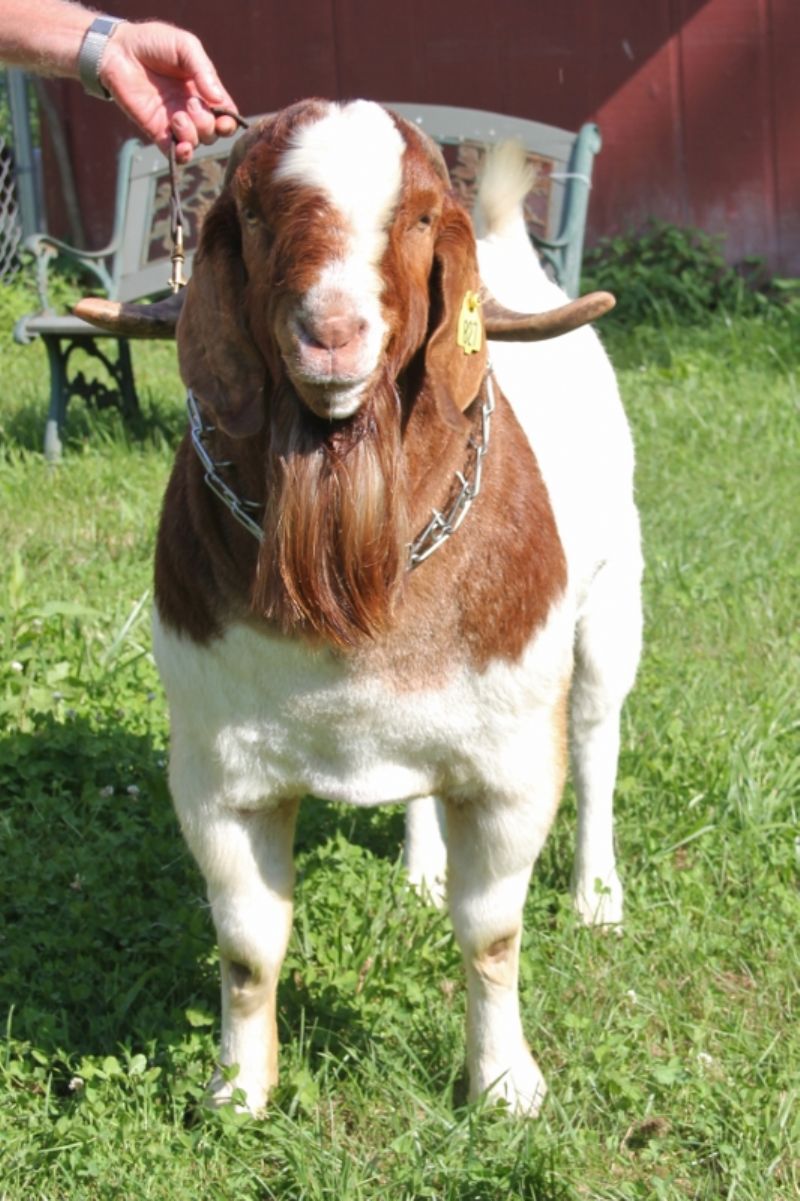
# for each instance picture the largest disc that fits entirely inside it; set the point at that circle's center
(249, 1046)
(497, 964)
(248, 987)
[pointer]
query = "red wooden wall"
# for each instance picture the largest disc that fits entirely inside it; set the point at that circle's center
(698, 100)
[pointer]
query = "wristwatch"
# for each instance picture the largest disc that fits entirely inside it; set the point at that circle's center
(91, 53)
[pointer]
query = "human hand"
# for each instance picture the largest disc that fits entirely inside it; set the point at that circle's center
(162, 78)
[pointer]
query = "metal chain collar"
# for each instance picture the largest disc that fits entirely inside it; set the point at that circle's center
(440, 527)
(240, 509)
(443, 525)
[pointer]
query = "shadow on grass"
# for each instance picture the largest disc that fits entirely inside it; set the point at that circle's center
(107, 939)
(106, 935)
(157, 423)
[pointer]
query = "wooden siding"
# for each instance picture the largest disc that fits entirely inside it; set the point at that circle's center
(698, 100)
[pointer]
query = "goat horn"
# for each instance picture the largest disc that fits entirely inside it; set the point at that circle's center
(156, 320)
(159, 320)
(504, 325)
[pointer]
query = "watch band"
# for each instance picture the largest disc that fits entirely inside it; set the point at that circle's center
(91, 53)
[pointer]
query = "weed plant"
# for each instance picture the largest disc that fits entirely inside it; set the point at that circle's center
(665, 274)
(672, 1052)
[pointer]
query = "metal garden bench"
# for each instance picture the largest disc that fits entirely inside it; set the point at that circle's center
(136, 262)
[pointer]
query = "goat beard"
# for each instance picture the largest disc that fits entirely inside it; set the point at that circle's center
(335, 543)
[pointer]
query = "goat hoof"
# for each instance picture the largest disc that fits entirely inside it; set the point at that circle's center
(598, 901)
(429, 888)
(242, 1097)
(520, 1090)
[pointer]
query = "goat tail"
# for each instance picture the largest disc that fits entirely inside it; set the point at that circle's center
(506, 179)
(509, 265)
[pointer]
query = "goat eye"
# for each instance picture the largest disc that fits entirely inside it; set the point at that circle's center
(425, 220)
(250, 216)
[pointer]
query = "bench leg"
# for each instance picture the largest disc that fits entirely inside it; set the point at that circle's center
(124, 374)
(57, 413)
(94, 392)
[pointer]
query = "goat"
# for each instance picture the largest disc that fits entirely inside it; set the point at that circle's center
(319, 633)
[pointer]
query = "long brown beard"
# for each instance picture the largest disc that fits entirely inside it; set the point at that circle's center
(336, 529)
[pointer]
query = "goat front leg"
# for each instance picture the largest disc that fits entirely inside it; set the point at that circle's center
(247, 861)
(491, 850)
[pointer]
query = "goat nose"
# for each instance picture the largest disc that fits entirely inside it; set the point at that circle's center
(332, 333)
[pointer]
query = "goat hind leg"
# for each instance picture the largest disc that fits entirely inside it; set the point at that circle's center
(425, 852)
(608, 645)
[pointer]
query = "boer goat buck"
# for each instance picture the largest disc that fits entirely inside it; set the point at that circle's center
(412, 567)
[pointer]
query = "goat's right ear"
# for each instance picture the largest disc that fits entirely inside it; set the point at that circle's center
(218, 358)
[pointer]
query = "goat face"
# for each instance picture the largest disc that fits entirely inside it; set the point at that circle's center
(329, 323)
(332, 256)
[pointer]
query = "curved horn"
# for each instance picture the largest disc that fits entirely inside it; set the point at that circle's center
(504, 325)
(156, 320)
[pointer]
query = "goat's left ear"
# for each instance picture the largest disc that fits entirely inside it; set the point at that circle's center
(455, 359)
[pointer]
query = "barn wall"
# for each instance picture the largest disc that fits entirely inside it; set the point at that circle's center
(698, 100)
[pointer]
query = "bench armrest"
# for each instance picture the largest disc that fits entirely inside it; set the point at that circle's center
(565, 250)
(46, 250)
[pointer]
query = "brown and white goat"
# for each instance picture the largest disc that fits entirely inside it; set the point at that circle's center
(320, 646)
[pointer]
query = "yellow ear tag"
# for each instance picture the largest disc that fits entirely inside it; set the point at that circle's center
(469, 334)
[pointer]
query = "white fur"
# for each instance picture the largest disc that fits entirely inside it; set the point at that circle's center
(259, 721)
(352, 282)
(354, 156)
(565, 396)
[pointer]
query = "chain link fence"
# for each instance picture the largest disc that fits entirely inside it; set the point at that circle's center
(13, 197)
(10, 225)
(10, 220)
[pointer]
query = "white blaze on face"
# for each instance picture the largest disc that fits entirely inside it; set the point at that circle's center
(354, 157)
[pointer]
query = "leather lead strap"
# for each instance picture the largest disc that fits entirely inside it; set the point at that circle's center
(177, 279)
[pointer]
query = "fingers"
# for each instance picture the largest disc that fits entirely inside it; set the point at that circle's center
(195, 124)
(164, 81)
(198, 67)
(203, 120)
(195, 64)
(183, 152)
(226, 125)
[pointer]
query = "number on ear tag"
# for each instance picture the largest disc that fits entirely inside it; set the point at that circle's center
(470, 331)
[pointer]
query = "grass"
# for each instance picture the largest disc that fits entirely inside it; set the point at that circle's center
(672, 1053)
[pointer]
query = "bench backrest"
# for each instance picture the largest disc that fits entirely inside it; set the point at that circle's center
(555, 208)
(142, 240)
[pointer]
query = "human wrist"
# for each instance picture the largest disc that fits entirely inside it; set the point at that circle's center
(49, 44)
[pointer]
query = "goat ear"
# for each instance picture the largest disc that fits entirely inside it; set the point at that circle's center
(217, 356)
(455, 359)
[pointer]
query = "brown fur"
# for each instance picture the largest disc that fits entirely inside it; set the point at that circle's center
(342, 501)
(335, 525)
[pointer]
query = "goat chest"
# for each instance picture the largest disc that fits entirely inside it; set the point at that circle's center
(257, 718)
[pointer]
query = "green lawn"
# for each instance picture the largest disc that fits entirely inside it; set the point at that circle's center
(672, 1053)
